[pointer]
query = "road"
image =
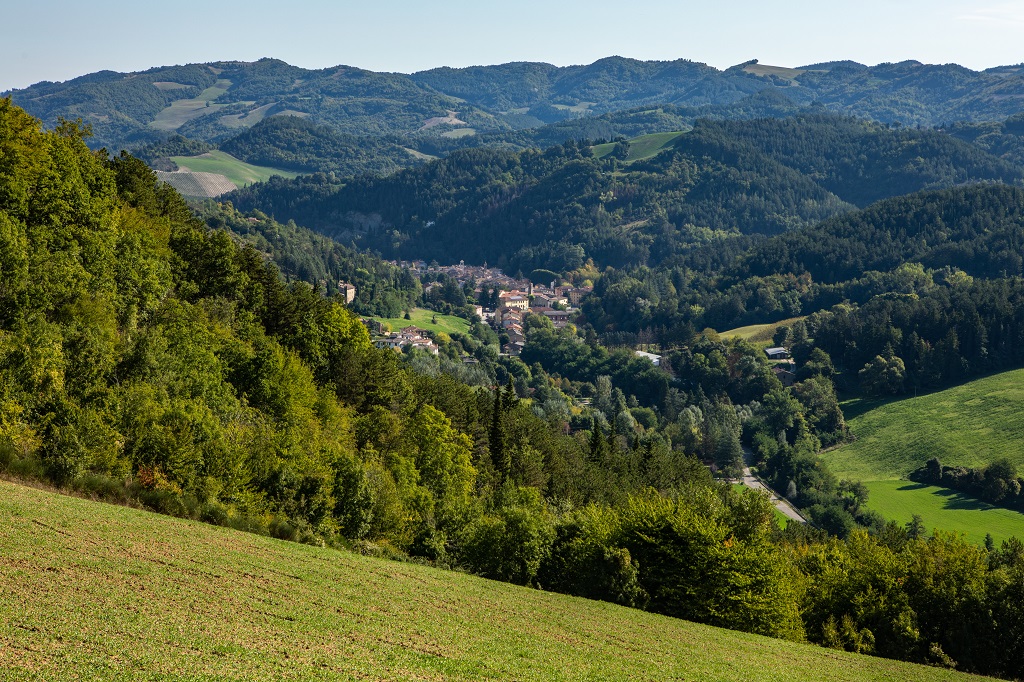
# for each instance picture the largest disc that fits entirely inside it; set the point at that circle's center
(781, 504)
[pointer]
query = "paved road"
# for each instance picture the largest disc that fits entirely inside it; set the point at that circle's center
(781, 504)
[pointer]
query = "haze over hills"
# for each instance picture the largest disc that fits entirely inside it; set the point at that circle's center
(212, 101)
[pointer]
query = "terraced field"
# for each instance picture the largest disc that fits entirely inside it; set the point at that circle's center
(90, 591)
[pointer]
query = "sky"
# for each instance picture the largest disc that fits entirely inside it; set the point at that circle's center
(57, 40)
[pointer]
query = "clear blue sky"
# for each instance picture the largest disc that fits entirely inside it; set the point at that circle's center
(57, 39)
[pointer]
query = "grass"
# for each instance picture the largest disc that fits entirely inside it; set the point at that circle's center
(459, 132)
(421, 317)
(766, 70)
(640, 148)
(968, 425)
(181, 111)
(944, 509)
(237, 171)
(248, 119)
(758, 333)
(94, 591)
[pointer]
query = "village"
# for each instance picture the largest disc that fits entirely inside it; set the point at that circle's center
(516, 299)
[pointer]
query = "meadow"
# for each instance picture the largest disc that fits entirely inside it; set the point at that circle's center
(968, 425)
(758, 333)
(237, 171)
(640, 148)
(96, 591)
(423, 318)
(181, 111)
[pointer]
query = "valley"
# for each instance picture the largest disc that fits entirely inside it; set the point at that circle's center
(631, 284)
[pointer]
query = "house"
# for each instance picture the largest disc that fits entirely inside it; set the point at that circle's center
(559, 318)
(784, 371)
(577, 294)
(347, 291)
(392, 342)
(655, 359)
(513, 299)
(778, 353)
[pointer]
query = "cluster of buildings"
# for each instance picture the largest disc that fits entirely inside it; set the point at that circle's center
(550, 302)
(409, 336)
(517, 299)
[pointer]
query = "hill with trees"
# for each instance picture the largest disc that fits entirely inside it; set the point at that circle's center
(558, 208)
(150, 359)
(210, 102)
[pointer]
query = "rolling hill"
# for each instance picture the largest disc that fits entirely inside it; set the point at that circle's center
(89, 590)
(969, 425)
(212, 101)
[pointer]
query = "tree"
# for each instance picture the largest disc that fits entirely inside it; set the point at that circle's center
(884, 375)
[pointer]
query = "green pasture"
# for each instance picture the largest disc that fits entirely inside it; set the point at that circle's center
(968, 425)
(640, 148)
(944, 509)
(235, 170)
(181, 111)
(90, 591)
(423, 318)
(758, 333)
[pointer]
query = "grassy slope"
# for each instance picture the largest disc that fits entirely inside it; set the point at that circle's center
(93, 591)
(758, 333)
(235, 170)
(180, 111)
(968, 425)
(640, 148)
(421, 318)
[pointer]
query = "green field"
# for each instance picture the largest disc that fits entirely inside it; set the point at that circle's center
(421, 317)
(944, 509)
(640, 148)
(459, 132)
(758, 333)
(968, 425)
(181, 111)
(235, 170)
(94, 591)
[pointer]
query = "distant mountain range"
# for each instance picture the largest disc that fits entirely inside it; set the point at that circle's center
(214, 102)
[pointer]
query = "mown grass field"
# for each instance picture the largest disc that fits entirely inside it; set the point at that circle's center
(237, 171)
(967, 425)
(422, 318)
(944, 509)
(758, 333)
(640, 148)
(93, 591)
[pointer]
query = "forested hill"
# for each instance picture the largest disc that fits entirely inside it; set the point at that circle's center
(555, 209)
(978, 229)
(213, 101)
